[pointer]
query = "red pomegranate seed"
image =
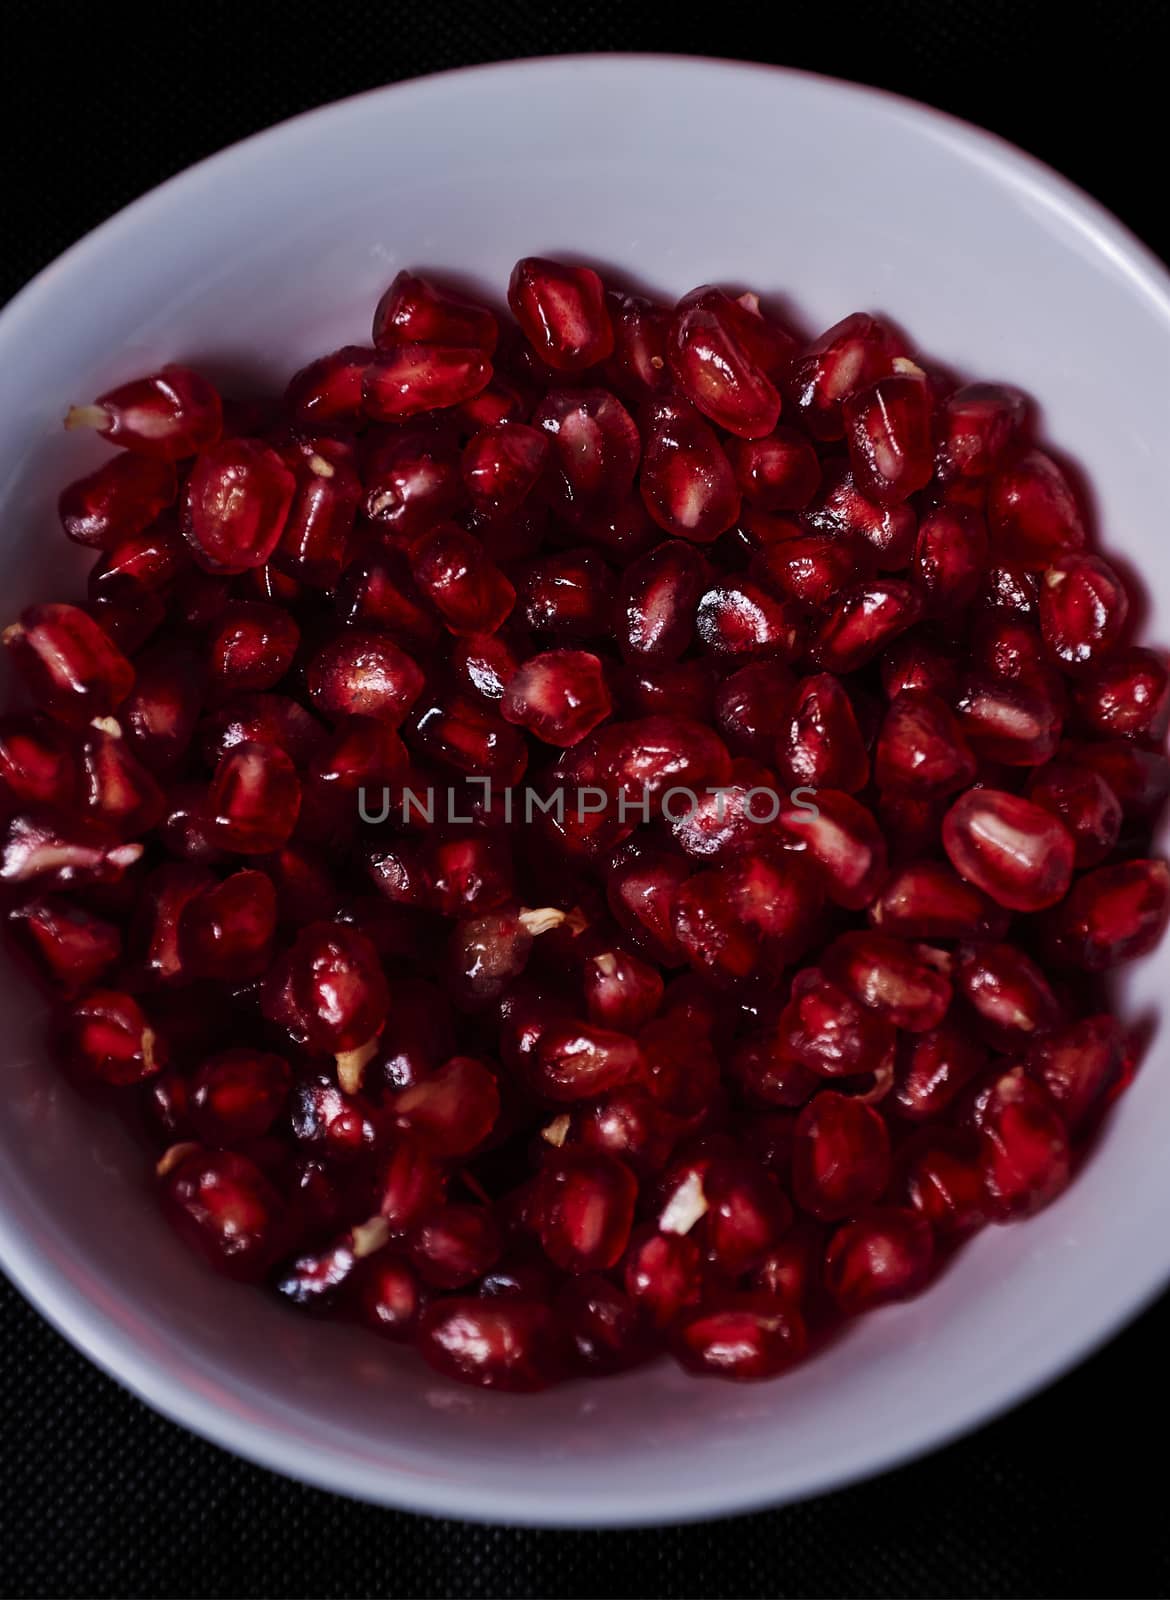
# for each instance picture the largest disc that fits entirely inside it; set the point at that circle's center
(238, 1095)
(465, 587)
(254, 799)
(621, 992)
(826, 1030)
(658, 597)
(1007, 994)
(852, 353)
(811, 570)
(1010, 647)
(502, 465)
(412, 480)
(118, 501)
(69, 663)
(974, 427)
(226, 931)
(662, 1273)
(1127, 696)
(1085, 804)
(62, 854)
(578, 1060)
(950, 557)
(900, 982)
(1139, 778)
(864, 622)
(516, 1345)
(820, 745)
(328, 392)
(1112, 915)
(387, 1296)
(562, 312)
(453, 1109)
(737, 620)
(251, 647)
(585, 1208)
(1032, 512)
(225, 1209)
(37, 767)
(594, 450)
(687, 482)
(628, 1123)
(880, 535)
(569, 595)
(72, 947)
(106, 1038)
(468, 736)
(454, 1245)
(637, 366)
(921, 745)
(314, 542)
(160, 714)
(411, 1182)
(1023, 1141)
(1083, 607)
(747, 1213)
(883, 1255)
(840, 1156)
(407, 379)
(931, 1069)
(751, 707)
(791, 1270)
(236, 502)
(116, 790)
(361, 673)
(917, 660)
(842, 838)
(640, 890)
(1018, 724)
(715, 370)
(1078, 1065)
(888, 431)
(747, 914)
(939, 1177)
(413, 310)
(928, 900)
(744, 1336)
(170, 415)
(335, 995)
(779, 472)
(1015, 851)
(669, 689)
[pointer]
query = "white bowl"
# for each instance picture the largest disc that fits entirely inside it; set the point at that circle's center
(676, 172)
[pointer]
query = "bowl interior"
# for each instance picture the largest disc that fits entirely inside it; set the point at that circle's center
(827, 199)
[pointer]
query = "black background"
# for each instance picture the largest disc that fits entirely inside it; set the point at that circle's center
(101, 1497)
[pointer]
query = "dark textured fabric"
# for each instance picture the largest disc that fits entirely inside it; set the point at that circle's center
(100, 1497)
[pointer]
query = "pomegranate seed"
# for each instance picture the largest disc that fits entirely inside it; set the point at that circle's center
(1085, 804)
(826, 1030)
(226, 930)
(715, 370)
(413, 310)
(254, 799)
(864, 622)
(412, 480)
(743, 1336)
(752, 705)
(1127, 696)
(638, 366)
(116, 790)
(659, 594)
(562, 312)
(1007, 993)
(270, 719)
(975, 425)
(747, 913)
(1083, 607)
(313, 545)
(334, 995)
(1139, 778)
(791, 1269)
(73, 948)
(921, 745)
(594, 449)
(1078, 1065)
(500, 401)
(812, 570)
(950, 557)
(916, 660)
(840, 1156)
(844, 842)
(640, 890)
(515, 1345)
(361, 673)
(1112, 915)
(621, 992)
(898, 981)
(669, 689)
(328, 392)
(687, 482)
(1018, 724)
(225, 1209)
(883, 535)
(821, 746)
(106, 1038)
(1032, 512)
(315, 1280)
(941, 1179)
(747, 1213)
(627, 1123)
(237, 500)
(465, 587)
(779, 472)
(585, 1209)
(888, 431)
(1010, 648)
(468, 736)
(238, 1095)
(387, 1296)
(407, 379)
(118, 501)
(170, 415)
(1015, 851)
(502, 465)
(251, 646)
(62, 854)
(883, 1255)
(160, 714)
(1023, 1142)
(932, 1067)
(852, 353)
(662, 1274)
(37, 767)
(570, 595)
(411, 1183)
(454, 1245)
(737, 619)
(69, 664)
(928, 900)
(452, 1110)
(578, 1060)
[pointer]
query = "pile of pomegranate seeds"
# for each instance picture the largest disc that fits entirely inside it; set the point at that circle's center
(803, 995)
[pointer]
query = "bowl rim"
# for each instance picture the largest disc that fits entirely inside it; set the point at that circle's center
(142, 1372)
